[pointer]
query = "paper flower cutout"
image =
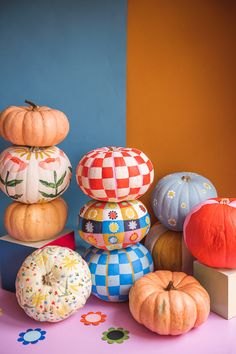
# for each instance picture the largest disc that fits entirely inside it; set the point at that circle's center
(115, 335)
(31, 336)
(93, 318)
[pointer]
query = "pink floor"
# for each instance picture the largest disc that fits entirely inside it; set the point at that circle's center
(216, 336)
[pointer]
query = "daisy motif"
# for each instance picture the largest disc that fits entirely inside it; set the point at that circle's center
(171, 194)
(183, 205)
(31, 336)
(147, 219)
(172, 222)
(113, 227)
(207, 185)
(93, 318)
(89, 226)
(112, 214)
(132, 225)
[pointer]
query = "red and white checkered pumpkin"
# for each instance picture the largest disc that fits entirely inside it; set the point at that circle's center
(115, 174)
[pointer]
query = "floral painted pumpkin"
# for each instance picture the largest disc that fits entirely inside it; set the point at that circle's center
(168, 249)
(176, 194)
(114, 272)
(115, 174)
(169, 303)
(210, 232)
(113, 225)
(33, 125)
(32, 175)
(53, 283)
(35, 222)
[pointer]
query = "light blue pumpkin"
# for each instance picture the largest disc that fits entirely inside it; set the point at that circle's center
(176, 194)
(114, 272)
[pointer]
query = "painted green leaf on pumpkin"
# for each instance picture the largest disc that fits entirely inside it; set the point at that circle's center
(13, 182)
(48, 184)
(46, 195)
(61, 180)
(16, 196)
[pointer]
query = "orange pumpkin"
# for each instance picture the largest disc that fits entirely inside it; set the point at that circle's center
(34, 125)
(169, 303)
(168, 249)
(35, 222)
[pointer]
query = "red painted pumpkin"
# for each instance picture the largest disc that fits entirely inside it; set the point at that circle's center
(34, 125)
(115, 174)
(210, 232)
(169, 303)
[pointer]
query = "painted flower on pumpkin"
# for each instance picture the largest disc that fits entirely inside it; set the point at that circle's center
(113, 227)
(89, 226)
(132, 225)
(13, 163)
(172, 222)
(129, 213)
(92, 214)
(31, 336)
(50, 164)
(112, 215)
(183, 205)
(171, 194)
(113, 240)
(147, 219)
(70, 263)
(93, 318)
(155, 202)
(207, 185)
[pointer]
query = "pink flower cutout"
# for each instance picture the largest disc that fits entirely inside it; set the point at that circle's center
(50, 163)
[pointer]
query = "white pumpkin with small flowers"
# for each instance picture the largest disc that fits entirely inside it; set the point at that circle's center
(33, 175)
(53, 283)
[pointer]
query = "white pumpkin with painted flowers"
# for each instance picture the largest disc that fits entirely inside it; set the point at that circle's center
(33, 175)
(53, 283)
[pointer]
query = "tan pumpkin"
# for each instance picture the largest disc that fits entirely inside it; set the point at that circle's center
(35, 222)
(169, 303)
(34, 125)
(168, 249)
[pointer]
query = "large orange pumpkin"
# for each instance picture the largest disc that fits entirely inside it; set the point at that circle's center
(35, 222)
(168, 249)
(34, 125)
(169, 303)
(210, 232)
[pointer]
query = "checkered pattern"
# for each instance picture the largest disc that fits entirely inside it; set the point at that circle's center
(113, 273)
(115, 174)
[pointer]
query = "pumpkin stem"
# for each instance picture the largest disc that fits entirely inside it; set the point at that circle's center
(31, 104)
(170, 286)
(46, 280)
(185, 178)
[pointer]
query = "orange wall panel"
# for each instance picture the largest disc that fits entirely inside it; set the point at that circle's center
(181, 87)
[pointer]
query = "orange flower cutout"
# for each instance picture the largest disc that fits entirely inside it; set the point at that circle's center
(93, 318)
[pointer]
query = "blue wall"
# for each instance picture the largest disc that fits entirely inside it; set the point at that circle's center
(70, 55)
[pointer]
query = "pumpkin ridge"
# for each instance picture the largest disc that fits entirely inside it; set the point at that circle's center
(55, 130)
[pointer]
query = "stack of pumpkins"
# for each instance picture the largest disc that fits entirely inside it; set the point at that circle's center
(115, 220)
(34, 172)
(173, 198)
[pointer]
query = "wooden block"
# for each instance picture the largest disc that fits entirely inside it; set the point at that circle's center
(220, 285)
(14, 252)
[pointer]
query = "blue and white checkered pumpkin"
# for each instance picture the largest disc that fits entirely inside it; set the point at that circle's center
(114, 272)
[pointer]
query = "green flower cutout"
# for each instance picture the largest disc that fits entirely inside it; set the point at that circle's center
(115, 335)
